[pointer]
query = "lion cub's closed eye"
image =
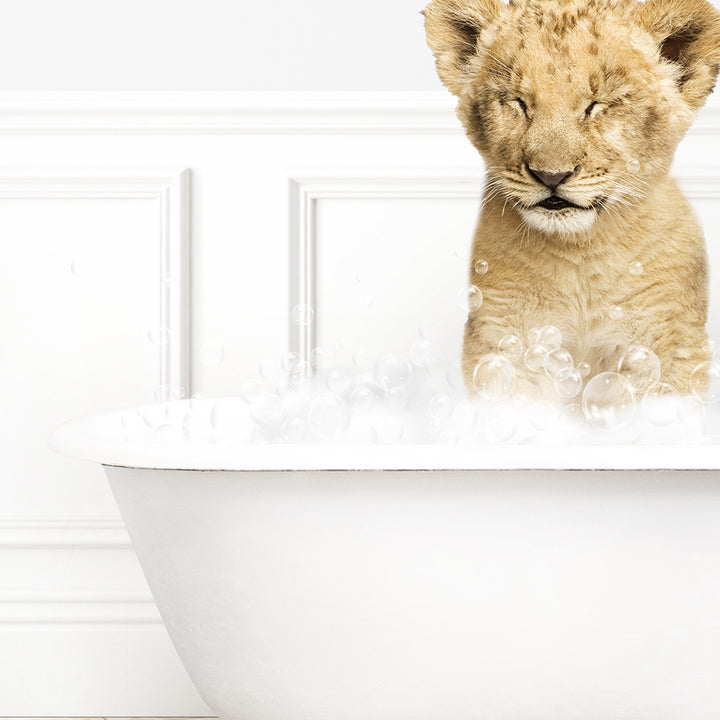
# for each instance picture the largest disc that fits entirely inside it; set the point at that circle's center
(577, 107)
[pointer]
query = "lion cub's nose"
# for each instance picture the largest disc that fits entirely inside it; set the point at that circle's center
(551, 179)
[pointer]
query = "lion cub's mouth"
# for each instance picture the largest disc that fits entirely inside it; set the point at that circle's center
(557, 203)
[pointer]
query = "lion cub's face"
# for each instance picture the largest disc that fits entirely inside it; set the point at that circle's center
(576, 105)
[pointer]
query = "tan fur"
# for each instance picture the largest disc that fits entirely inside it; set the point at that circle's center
(525, 75)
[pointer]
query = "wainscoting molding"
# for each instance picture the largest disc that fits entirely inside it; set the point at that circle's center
(698, 183)
(313, 113)
(77, 607)
(229, 113)
(170, 188)
(308, 187)
(60, 605)
(85, 533)
(52, 538)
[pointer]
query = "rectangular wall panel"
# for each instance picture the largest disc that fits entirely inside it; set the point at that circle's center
(94, 298)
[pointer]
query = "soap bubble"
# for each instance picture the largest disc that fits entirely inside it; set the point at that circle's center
(367, 379)
(541, 414)
(455, 379)
(77, 267)
(360, 431)
(396, 399)
(172, 392)
(434, 430)
(289, 361)
(302, 315)
(493, 377)
(440, 407)
(501, 425)
(165, 434)
(559, 362)
(195, 427)
(392, 371)
(436, 368)
(471, 299)
(533, 336)
(251, 391)
(266, 413)
(633, 165)
(159, 336)
(337, 382)
(636, 268)
(660, 405)
(229, 418)
(320, 358)
(510, 347)
(161, 393)
(361, 360)
(431, 330)
(584, 369)
(329, 416)
(421, 353)
(362, 398)
(153, 415)
(573, 421)
(640, 366)
(295, 404)
(608, 401)
(615, 312)
(536, 358)
(481, 267)
(211, 354)
(293, 430)
(568, 383)
(198, 400)
(175, 411)
(464, 414)
(389, 430)
(691, 410)
(550, 338)
(708, 346)
(705, 382)
(271, 370)
(299, 372)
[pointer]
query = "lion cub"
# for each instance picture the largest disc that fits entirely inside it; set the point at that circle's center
(577, 107)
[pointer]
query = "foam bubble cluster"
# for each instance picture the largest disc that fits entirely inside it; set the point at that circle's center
(418, 398)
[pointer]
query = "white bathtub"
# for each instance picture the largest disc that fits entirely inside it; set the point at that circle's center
(429, 583)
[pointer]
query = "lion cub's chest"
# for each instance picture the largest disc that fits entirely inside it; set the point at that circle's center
(586, 303)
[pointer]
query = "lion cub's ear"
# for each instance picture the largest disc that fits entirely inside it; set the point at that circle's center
(687, 33)
(452, 28)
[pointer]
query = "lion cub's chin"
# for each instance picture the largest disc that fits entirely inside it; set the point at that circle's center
(569, 221)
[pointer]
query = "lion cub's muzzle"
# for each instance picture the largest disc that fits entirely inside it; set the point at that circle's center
(552, 179)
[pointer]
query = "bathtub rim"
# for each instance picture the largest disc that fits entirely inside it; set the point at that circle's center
(76, 439)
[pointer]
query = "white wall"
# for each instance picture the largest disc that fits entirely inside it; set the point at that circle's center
(215, 45)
